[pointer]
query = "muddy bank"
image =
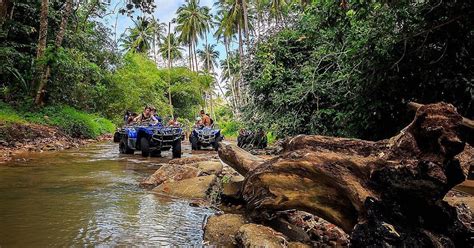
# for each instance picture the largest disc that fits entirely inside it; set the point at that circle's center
(19, 138)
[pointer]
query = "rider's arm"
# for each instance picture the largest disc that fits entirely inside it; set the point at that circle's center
(154, 121)
(137, 119)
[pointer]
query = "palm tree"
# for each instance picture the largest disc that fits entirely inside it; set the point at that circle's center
(236, 16)
(175, 49)
(278, 8)
(231, 76)
(138, 38)
(158, 28)
(260, 7)
(231, 22)
(192, 22)
(209, 56)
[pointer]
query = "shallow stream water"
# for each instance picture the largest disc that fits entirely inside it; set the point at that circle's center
(89, 197)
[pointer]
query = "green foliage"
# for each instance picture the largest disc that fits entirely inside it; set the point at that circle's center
(223, 111)
(350, 72)
(186, 90)
(172, 45)
(271, 138)
(134, 85)
(230, 128)
(71, 121)
(79, 68)
(9, 116)
(138, 83)
(75, 123)
(225, 179)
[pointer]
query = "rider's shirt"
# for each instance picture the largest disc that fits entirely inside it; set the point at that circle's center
(143, 118)
(206, 120)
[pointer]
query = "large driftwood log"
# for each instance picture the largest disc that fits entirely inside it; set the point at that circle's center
(240, 160)
(391, 190)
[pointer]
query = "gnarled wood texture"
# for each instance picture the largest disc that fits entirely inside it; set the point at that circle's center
(390, 189)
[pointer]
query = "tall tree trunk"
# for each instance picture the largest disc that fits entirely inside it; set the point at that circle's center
(57, 43)
(43, 29)
(4, 6)
(259, 19)
(208, 62)
(115, 33)
(42, 38)
(169, 69)
(232, 86)
(154, 50)
(190, 58)
(241, 56)
(246, 24)
(196, 64)
(62, 27)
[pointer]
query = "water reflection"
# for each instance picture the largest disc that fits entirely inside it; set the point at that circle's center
(90, 197)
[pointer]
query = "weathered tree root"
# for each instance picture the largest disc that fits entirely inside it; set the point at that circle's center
(383, 193)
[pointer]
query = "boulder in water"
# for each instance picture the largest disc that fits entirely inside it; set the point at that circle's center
(169, 172)
(221, 230)
(210, 167)
(253, 235)
(196, 187)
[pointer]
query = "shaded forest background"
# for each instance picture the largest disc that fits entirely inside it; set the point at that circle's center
(351, 70)
(342, 68)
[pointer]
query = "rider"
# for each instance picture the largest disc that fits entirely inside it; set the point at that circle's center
(126, 116)
(174, 122)
(205, 119)
(131, 118)
(153, 113)
(146, 116)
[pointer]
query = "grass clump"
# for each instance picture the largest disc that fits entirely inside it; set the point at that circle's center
(9, 116)
(73, 122)
(230, 128)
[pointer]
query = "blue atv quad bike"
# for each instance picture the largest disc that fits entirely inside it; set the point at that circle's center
(150, 140)
(205, 137)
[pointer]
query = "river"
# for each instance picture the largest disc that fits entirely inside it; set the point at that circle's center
(89, 197)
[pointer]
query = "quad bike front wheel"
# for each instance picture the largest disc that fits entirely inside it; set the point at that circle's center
(117, 137)
(123, 146)
(156, 153)
(177, 149)
(145, 147)
(215, 145)
(194, 143)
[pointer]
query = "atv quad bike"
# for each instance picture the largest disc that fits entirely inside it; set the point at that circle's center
(205, 137)
(149, 139)
(249, 139)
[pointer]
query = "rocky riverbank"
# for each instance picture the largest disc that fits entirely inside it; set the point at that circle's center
(18, 138)
(209, 183)
(335, 192)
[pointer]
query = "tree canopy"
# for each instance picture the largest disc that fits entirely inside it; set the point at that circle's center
(351, 71)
